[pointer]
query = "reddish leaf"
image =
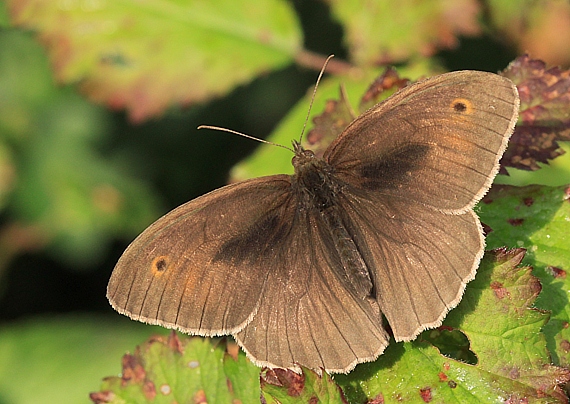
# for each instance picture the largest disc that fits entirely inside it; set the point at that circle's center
(544, 118)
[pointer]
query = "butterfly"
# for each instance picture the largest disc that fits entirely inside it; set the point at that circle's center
(302, 269)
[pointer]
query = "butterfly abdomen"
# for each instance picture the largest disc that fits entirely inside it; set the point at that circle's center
(352, 265)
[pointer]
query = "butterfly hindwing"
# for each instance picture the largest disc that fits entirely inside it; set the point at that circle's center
(311, 317)
(420, 258)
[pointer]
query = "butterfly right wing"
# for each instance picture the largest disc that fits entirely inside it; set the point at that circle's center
(202, 268)
(412, 168)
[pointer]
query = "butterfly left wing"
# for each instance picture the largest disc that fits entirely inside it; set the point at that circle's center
(202, 267)
(246, 254)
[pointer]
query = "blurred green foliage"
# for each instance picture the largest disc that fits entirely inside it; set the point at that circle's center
(59, 191)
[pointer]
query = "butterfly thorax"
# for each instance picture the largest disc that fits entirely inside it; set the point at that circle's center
(318, 192)
(313, 180)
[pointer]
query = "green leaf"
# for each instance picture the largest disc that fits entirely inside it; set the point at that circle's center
(60, 359)
(183, 370)
(393, 31)
(536, 218)
(504, 331)
(4, 19)
(145, 56)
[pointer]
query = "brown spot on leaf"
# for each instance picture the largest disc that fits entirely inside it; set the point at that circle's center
(486, 229)
(515, 221)
(102, 397)
(313, 400)
(133, 370)
(425, 394)
(535, 286)
(499, 290)
(528, 201)
(514, 373)
(389, 81)
(452, 384)
(446, 366)
(174, 342)
(442, 377)
(565, 345)
(514, 399)
(556, 272)
(294, 382)
(514, 255)
(270, 377)
(379, 399)
(149, 390)
(200, 397)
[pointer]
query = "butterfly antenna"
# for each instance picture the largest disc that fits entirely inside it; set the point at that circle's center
(235, 132)
(313, 96)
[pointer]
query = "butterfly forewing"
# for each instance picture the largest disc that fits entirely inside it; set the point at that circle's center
(202, 267)
(437, 142)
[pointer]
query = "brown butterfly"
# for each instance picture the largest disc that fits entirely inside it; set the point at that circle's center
(301, 268)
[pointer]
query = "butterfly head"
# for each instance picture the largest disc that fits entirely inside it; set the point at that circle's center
(302, 157)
